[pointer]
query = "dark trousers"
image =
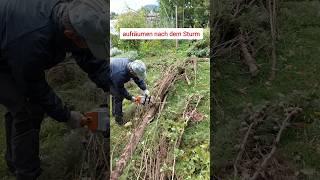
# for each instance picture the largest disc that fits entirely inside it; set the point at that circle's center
(22, 124)
(117, 106)
(117, 100)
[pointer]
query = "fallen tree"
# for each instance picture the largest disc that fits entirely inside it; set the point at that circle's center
(248, 29)
(161, 89)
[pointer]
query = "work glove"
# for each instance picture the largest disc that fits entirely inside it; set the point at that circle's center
(76, 119)
(146, 92)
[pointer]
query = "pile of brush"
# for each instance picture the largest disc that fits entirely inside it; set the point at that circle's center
(261, 131)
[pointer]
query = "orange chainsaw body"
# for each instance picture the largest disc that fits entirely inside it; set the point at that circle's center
(97, 119)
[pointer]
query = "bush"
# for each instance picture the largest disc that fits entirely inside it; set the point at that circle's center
(114, 40)
(201, 48)
(115, 51)
(130, 20)
(151, 47)
(155, 47)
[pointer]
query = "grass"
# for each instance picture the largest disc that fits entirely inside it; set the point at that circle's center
(298, 66)
(61, 149)
(195, 133)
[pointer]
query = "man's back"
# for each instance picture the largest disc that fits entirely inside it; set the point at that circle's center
(118, 64)
(20, 17)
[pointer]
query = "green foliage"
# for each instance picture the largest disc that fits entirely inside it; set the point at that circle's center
(155, 47)
(113, 15)
(249, 19)
(190, 13)
(194, 163)
(297, 58)
(194, 142)
(130, 20)
(151, 47)
(61, 151)
(114, 40)
(132, 55)
(298, 15)
(201, 48)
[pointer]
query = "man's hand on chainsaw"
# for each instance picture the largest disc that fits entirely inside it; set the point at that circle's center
(137, 99)
(76, 120)
(146, 92)
(141, 99)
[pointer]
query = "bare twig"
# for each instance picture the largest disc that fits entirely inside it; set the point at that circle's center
(265, 161)
(165, 84)
(248, 59)
(186, 78)
(242, 148)
(272, 17)
(178, 140)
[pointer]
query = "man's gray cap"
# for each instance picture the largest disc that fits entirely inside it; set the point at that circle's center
(139, 68)
(90, 19)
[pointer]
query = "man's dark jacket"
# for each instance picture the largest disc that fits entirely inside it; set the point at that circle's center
(32, 41)
(119, 75)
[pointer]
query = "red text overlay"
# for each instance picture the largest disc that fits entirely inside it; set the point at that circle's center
(161, 33)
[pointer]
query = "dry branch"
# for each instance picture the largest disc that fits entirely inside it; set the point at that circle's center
(186, 78)
(248, 59)
(265, 161)
(178, 140)
(272, 17)
(162, 89)
(242, 148)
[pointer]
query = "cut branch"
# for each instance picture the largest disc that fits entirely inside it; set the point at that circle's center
(272, 17)
(265, 161)
(242, 148)
(162, 90)
(248, 59)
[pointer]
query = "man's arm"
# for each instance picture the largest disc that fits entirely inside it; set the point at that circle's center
(140, 83)
(98, 70)
(123, 91)
(30, 79)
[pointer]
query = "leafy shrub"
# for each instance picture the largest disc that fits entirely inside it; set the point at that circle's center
(132, 55)
(155, 47)
(151, 47)
(296, 15)
(130, 20)
(201, 48)
(115, 51)
(195, 163)
(114, 40)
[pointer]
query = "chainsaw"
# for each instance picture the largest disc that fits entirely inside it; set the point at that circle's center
(97, 120)
(145, 99)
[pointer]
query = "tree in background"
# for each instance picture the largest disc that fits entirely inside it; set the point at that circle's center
(194, 14)
(130, 19)
(113, 15)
